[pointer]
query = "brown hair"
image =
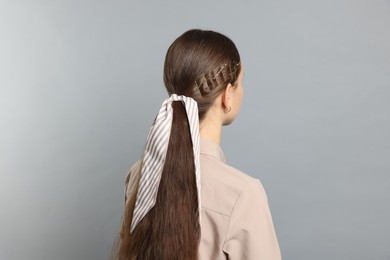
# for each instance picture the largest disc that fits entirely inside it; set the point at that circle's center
(198, 64)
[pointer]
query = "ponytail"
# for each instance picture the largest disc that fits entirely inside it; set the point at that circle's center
(170, 230)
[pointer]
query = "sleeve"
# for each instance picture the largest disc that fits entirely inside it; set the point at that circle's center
(132, 180)
(251, 233)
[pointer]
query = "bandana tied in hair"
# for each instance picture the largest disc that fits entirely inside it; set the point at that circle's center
(155, 154)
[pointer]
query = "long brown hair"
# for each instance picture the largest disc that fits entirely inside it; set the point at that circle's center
(198, 64)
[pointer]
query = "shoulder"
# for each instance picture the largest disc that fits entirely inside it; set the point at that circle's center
(223, 185)
(250, 189)
(132, 179)
(250, 233)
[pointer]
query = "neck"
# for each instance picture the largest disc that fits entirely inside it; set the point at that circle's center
(211, 130)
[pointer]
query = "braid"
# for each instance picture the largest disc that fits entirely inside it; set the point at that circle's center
(226, 73)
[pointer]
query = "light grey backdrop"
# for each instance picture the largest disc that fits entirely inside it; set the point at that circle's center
(81, 82)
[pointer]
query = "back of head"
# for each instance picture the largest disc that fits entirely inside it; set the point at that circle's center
(199, 64)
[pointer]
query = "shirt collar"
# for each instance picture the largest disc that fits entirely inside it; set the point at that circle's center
(208, 147)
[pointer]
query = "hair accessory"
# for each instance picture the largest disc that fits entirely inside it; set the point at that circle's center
(220, 70)
(155, 154)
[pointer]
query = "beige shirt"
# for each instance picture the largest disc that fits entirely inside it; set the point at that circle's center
(236, 222)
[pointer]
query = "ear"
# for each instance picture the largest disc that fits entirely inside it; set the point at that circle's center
(226, 96)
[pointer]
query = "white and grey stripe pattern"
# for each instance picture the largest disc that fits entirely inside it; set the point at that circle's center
(155, 153)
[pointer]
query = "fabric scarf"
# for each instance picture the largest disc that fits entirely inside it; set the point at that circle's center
(155, 154)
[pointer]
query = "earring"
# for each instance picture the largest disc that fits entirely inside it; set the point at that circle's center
(228, 110)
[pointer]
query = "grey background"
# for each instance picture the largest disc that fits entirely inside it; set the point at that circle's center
(81, 82)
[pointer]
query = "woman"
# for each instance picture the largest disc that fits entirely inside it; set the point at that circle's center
(183, 201)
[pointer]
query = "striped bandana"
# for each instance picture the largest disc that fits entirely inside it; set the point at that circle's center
(155, 153)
